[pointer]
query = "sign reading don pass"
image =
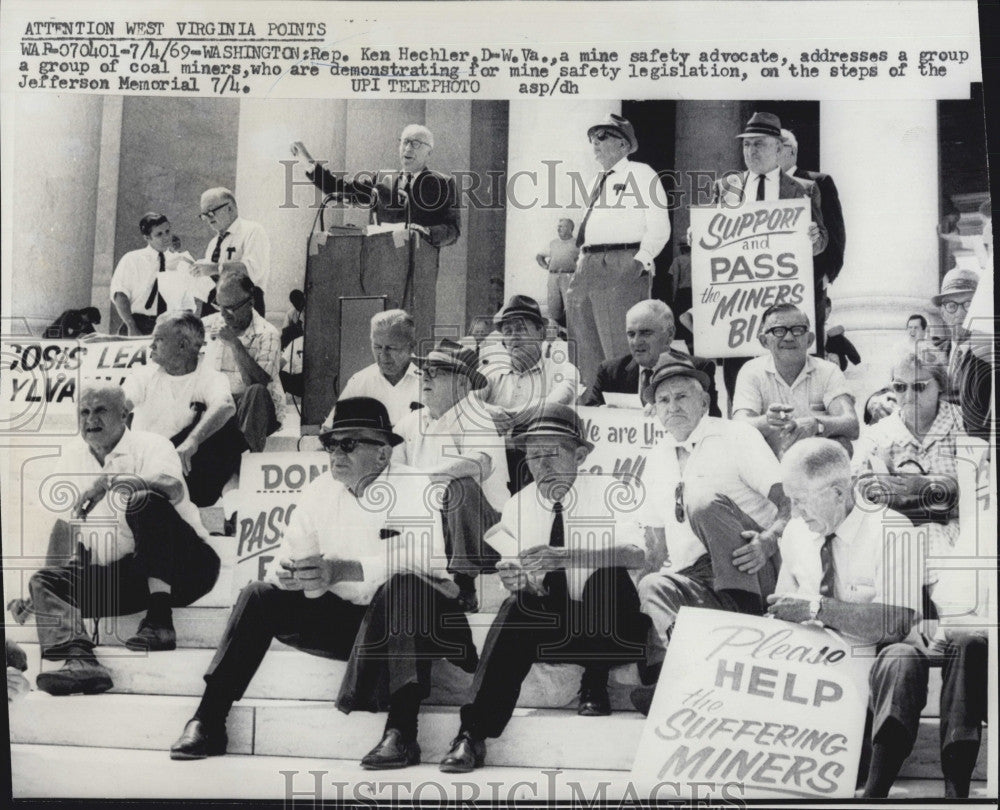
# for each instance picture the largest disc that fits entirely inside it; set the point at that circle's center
(758, 707)
(744, 260)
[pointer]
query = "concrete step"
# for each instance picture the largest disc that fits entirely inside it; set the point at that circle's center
(540, 738)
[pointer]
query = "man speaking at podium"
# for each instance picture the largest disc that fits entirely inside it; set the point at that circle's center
(423, 200)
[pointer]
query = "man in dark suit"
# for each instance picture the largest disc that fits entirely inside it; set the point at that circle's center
(826, 265)
(764, 180)
(650, 329)
(424, 200)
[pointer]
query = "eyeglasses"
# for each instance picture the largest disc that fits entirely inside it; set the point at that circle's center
(210, 213)
(433, 372)
(781, 331)
(603, 135)
(348, 445)
(235, 307)
(952, 307)
(412, 143)
(679, 502)
(918, 387)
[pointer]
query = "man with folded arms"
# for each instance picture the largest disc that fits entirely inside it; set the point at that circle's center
(717, 537)
(247, 349)
(189, 403)
(157, 560)
(456, 444)
(650, 330)
(565, 559)
(855, 571)
(788, 394)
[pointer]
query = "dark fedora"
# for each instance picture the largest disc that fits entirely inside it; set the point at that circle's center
(668, 366)
(620, 125)
(553, 421)
(762, 124)
(360, 413)
(520, 306)
(450, 355)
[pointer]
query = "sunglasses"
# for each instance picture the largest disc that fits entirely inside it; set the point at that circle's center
(781, 331)
(232, 310)
(604, 135)
(952, 307)
(347, 446)
(918, 387)
(679, 502)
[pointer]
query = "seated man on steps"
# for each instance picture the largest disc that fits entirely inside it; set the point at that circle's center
(566, 556)
(361, 579)
(456, 444)
(189, 403)
(157, 560)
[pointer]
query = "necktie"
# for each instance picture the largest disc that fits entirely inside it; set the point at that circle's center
(403, 192)
(590, 207)
(760, 187)
(555, 581)
(218, 246)
(827, 585)
(154, 294)
(644, 377)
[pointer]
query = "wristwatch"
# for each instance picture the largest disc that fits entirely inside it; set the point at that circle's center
(814, 607)
(820, 428)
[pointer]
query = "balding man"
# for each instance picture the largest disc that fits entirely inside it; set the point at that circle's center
(423, 200)
(650, 330)
(156, 560)
(247, 349)
(236, 240)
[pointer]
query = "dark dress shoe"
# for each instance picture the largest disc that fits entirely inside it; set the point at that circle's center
(77, 676)
(594, 702)
(466, 754)
(200, 740)
(152, 638)
(642, 698)
(392, 752)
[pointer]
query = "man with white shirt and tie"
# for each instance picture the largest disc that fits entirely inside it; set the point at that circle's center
(623, 230)
(855, 570)
(236, 240)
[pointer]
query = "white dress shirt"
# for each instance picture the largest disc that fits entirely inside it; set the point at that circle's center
(246, 242)
(398, 399)
(138, 269)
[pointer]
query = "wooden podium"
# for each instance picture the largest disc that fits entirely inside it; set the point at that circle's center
(349, 277)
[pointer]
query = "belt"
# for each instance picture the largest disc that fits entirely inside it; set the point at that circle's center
(609, 248)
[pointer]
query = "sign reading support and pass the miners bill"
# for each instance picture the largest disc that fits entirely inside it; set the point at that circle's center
(744, 260)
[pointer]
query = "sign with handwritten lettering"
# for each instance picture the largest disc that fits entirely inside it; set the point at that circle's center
(744, 260)
(762, 709)
(622, 439)
(270, 486)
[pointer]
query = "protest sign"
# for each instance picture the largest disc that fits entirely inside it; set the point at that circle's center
(744, 260)
(622, 439)
(270, 485)
(759, 707)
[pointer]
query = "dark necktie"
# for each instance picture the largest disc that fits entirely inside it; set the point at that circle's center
(154, 294)
(644, 377)
(210, 307)
(555, 581)
(827, 585)
(590, 207)
(218, 246)
(760, 187)
(403, 192)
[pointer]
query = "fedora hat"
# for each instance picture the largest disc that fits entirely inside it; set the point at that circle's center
(670, 365)
(553, 421)
(520, 306)
(762, 124)
(620, 125)
(359, 413)
(956, 282)
(449, 354)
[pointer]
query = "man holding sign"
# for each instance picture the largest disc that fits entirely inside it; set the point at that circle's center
(855, 571)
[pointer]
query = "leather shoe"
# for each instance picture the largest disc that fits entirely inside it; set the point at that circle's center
(642, 698)
(77, 675)
(392, 752)
(466, 754)
(594, 702)
(152, 638)
(200, 740)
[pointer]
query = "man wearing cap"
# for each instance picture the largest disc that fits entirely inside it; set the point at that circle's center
(957, 290)
(455, 442)
(566, 553)
(392, 379)
(764, 180)
(787, 394)
(826, 265)
(360, 579)
(424, 200)
(650, 329)
(623, 230)
(717, 536)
